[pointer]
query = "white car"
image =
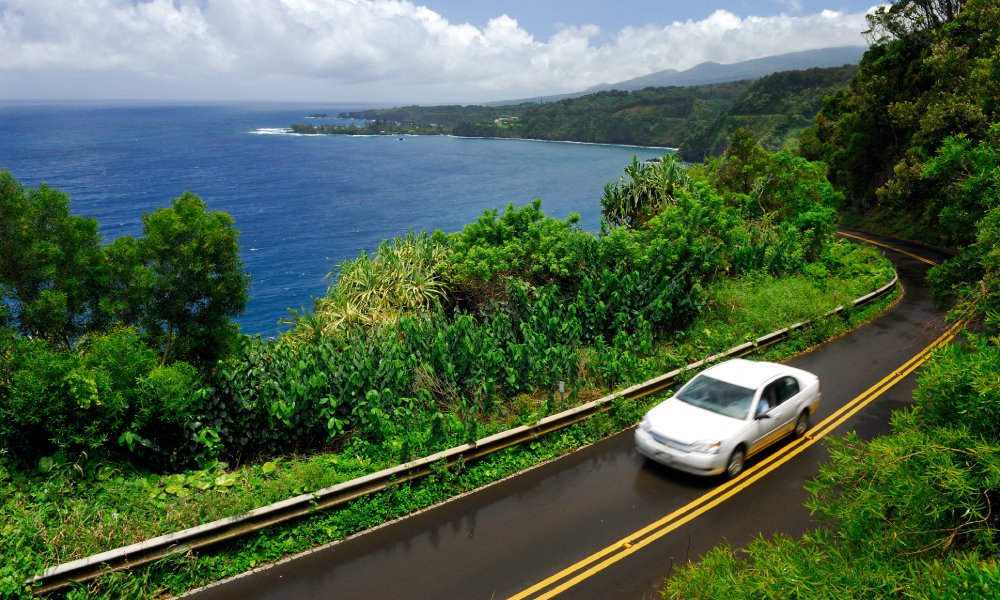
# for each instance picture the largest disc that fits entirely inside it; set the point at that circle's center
(727, 413)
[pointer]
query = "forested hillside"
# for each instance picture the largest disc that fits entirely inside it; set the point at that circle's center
(775, 109)
(695, 119)
(914, 144)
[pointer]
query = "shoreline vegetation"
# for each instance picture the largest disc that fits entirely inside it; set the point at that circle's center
(396, 130)
(696, 120)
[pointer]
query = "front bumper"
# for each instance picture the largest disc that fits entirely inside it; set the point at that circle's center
(696, 463)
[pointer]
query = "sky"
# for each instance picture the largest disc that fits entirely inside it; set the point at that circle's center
(388, 51)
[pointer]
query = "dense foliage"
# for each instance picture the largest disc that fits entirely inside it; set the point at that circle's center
(914, 143)
(101, 343)
(109, 396)
(912, 93)
(430, 329)
(696, 119)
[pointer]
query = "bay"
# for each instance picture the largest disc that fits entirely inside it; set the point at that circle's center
(302, 203)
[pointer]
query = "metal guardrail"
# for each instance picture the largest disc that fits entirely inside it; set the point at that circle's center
(162, 546)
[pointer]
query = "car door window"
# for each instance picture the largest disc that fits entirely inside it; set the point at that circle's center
(768, 399)
(777, 392)
(786, 388)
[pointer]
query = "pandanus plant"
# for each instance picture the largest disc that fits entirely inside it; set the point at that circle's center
(642, 191)
(403, 275)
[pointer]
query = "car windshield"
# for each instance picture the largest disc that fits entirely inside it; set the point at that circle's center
(717, 396)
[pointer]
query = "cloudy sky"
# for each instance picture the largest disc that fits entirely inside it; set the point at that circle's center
(392, 51)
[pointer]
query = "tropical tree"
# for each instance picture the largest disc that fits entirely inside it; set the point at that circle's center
(522, 244)
(48, 262)
(641, 192)
(404, 275)
(739, 171)
(779, 188)
(191, 280)
(910, 17)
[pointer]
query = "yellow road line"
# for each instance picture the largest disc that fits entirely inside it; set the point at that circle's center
(627, 546)
(888, 247)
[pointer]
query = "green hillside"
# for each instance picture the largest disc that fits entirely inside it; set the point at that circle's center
(695, 119)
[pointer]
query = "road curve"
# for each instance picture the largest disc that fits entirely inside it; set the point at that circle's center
(602, 523)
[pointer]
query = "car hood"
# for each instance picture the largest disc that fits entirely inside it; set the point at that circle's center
(688, 424)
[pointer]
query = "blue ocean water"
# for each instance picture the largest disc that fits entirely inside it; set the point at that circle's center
(301, 203)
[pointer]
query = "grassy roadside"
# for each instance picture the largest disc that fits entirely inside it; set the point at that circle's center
(43, 515)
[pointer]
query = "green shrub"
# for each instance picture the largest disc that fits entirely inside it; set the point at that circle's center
(109, 396)
(959, 387)
(57, 402)
(921, 492)
(522, 243)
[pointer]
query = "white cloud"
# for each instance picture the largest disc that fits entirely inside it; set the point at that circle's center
(283, 49)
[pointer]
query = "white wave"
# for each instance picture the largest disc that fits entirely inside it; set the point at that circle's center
(273, 131)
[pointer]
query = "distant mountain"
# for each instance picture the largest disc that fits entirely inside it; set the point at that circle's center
(711, 72)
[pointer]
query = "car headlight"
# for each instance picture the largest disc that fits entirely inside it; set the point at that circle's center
(644, 424)
(707, 447)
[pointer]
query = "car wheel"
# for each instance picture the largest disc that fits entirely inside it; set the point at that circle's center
(735, 465)
(802, 424)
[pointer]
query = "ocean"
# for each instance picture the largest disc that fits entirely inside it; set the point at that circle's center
(302, 204)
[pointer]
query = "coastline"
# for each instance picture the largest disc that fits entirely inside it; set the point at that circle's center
(289, 131)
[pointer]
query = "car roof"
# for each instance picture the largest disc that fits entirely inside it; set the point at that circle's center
(747, 373)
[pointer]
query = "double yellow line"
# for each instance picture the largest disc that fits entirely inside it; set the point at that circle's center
(888, 247)
(574, 574)
(593, 564)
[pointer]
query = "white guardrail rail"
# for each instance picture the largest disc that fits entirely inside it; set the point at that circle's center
(153, 549)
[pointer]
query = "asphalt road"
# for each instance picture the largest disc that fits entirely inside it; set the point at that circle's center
(601, 522)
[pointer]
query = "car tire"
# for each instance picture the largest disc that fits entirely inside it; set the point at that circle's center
(802, 424)
(734, 466)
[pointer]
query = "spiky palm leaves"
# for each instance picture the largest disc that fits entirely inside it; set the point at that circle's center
(642, 191)
(403, 275)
